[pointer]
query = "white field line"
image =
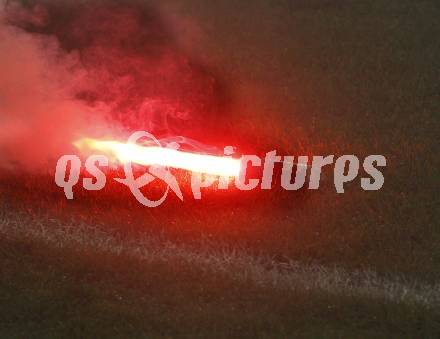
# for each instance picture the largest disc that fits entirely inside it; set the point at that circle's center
(237, 264)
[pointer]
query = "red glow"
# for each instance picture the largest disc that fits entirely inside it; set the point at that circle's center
(155, 155)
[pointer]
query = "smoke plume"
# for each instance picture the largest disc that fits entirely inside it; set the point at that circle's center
(97, 69)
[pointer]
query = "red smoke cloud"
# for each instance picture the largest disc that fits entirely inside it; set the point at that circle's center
(74, 69)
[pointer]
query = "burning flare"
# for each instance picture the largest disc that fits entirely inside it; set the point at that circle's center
(155, 155)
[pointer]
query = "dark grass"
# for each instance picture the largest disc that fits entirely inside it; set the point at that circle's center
(315, 77)
(75, 293)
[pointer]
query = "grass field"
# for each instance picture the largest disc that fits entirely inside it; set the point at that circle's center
(306, 77)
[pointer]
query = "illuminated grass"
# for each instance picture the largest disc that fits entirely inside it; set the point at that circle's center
(239, 265)
(69, 280)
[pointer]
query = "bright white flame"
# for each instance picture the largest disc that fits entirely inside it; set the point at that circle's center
(155, 155)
